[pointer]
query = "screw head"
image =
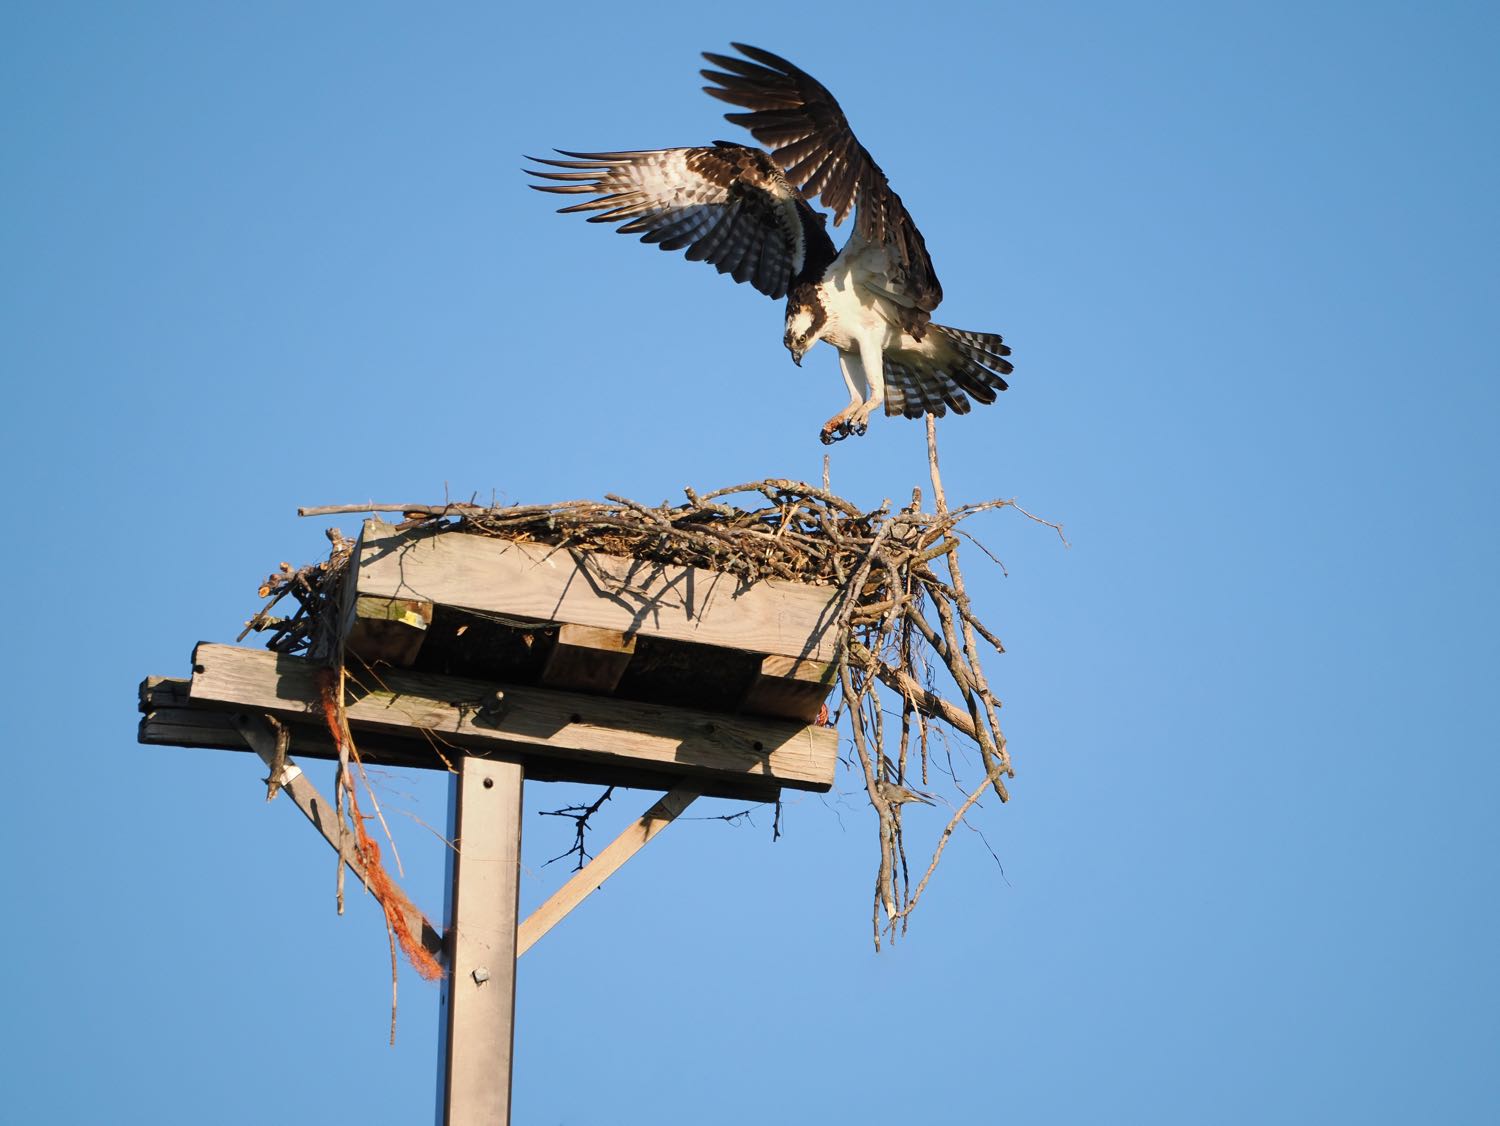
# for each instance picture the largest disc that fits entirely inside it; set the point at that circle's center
(481, 975)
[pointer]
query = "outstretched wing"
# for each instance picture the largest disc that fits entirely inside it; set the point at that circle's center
(935, 375)
(728, 205)
(798, 119)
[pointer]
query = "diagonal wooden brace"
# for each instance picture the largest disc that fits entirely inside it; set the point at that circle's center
(604, 865)
(291, 781)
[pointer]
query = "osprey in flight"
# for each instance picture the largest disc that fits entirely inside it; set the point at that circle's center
(746, 211)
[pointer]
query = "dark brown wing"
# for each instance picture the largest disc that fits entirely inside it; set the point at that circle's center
(794, 115)
(728, 205)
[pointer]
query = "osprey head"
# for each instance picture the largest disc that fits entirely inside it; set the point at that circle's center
(805, 319)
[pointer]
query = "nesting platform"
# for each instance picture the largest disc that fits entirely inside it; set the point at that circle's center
(578, 665)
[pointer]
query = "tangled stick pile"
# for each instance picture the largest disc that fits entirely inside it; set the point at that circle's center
(909, 661)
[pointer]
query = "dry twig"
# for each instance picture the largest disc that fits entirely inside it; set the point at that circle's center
(904, 613)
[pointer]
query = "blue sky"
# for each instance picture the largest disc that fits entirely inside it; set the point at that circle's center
(1245, 254)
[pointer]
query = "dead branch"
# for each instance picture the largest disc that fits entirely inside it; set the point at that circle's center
(904, 615)
(925, 701)
(580, 815)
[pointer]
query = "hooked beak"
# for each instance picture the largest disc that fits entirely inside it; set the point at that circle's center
(796, 357)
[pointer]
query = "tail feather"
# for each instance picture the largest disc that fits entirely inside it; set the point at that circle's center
(944, 371)
(987, 348)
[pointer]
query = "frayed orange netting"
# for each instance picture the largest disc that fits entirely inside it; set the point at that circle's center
(400, 911)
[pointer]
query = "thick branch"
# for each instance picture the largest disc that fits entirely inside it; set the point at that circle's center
(923, 698)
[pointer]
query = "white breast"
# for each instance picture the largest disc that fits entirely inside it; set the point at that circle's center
(851, 297)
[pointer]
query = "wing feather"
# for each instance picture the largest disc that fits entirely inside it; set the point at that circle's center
(810, 138)
(728, 205)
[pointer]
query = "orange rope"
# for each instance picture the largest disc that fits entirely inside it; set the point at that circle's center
(397, 906)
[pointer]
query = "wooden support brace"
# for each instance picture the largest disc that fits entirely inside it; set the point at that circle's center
(387, 630)
(292, 782)
(789, 687)
(604, 865)
(588, 659)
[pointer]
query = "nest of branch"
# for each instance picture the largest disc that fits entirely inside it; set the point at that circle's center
(914, 697)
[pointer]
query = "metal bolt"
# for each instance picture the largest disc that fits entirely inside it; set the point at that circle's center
(481, 975)
(492, 708)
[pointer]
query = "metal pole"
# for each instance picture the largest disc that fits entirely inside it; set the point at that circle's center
(479, 995)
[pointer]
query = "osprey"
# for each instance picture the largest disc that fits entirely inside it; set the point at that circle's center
(747, 212)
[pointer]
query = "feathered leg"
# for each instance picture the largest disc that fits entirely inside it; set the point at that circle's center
(872, 360)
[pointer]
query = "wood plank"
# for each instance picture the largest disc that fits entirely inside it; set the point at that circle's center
(165, 723)
(531, 721)
(546, 584)
(163, 691)
(387, 630)
(587, 880)
(256, 733)
(790, 688)
(479, 996)
(587, 659)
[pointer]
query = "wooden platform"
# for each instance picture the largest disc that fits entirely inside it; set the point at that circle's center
(503, 661)
(407, 718)
(580, 666)
(530, 614)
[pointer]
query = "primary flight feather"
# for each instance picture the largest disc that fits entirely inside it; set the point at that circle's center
(747, 211)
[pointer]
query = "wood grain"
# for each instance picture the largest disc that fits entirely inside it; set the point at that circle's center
(254, 732)
(789, 688)
(609, 861)
(547, 584)
(479, 995)
(387, 630)
(587, 659)
(537, 722)
(168, 720)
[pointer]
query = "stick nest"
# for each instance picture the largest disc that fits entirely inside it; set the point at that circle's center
(913, 696)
